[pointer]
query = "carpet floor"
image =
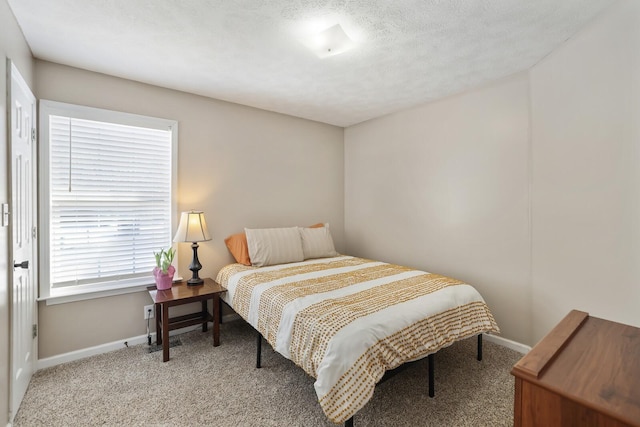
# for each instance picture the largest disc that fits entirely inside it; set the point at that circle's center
(204, 385)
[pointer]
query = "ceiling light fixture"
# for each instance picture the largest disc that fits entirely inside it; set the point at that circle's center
(330, 42)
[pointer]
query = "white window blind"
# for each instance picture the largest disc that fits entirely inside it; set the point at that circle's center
(109, 197)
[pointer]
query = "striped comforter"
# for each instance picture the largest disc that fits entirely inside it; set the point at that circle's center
(347, 320)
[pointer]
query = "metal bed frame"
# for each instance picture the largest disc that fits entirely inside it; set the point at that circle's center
(387, 375)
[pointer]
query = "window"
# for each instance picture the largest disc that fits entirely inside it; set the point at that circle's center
(107, 185)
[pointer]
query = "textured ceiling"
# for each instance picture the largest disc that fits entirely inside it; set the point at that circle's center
(248, 51)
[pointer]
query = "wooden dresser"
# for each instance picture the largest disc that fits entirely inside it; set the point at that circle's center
(585, 372)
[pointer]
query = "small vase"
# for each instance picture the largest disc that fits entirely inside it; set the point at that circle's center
(164, 280)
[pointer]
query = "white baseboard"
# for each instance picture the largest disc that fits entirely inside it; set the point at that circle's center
(230, 317)
(142, 339)
(513, 345)
(115, 345)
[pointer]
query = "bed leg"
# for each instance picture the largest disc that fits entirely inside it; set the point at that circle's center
(259, 349)
(432, 391)
(479, 347)
(349, 422)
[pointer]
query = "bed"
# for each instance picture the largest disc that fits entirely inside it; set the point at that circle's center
(347, 320)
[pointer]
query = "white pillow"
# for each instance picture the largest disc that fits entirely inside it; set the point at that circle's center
(269, 246)
(317, 242)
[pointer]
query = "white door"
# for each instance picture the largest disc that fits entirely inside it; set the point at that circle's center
(23, 212)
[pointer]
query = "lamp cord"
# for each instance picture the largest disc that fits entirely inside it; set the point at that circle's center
(148, 332)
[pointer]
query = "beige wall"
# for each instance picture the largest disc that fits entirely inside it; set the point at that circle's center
(528, 189)
(14, 47)
(586, 173)
(444, 188)
(243, 166)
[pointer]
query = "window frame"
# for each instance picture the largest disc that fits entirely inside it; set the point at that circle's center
(102, 289)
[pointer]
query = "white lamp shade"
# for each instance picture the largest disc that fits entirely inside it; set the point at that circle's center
(192, 228)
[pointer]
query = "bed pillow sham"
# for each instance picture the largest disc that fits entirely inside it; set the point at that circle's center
(237, 245)
(317, 242)
(269, 246)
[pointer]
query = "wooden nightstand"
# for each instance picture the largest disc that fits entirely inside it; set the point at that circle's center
(180, 293)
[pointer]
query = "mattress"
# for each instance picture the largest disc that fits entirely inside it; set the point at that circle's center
(346, 320)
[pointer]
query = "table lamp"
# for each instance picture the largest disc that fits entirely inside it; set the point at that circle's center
(193, 228)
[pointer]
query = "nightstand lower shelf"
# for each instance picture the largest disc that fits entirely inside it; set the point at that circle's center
(183, 321)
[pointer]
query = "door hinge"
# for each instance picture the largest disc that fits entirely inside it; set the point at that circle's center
(34, 331)
(33, 134)
(34, 233)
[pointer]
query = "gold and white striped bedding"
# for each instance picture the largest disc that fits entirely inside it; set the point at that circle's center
(347, 320)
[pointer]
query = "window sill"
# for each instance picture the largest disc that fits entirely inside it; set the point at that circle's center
(65, 295)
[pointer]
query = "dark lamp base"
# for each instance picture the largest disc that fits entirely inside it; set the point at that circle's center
(195, 281)
(195, 267)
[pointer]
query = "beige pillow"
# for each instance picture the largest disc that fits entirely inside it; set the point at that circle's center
(269, 246)
(237, 245)
(317, 242)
